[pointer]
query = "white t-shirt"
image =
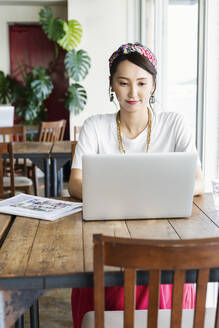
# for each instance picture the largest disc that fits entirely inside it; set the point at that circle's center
(99, 136)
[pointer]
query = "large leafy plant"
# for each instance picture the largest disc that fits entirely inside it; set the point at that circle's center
(77, 63)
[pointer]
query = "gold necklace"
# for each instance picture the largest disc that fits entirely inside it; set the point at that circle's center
(149, 124)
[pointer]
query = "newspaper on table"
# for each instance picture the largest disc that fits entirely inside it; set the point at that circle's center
(39, 207)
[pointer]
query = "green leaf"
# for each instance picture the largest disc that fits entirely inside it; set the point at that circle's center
(17, 90)
(42, 88)
(42, 84)
(4, 88)
(53, 27)
(76, 98)
(77, 64)
(72, 37)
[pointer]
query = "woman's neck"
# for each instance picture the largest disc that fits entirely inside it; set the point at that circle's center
(132, 124)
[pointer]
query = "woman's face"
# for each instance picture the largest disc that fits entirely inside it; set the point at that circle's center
(133, 86)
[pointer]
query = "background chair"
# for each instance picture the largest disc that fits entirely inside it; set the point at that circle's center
(77, 130)
(48, 132)
(14, 133)
(74, 144)
(7, 148)
(52, 131)
(22, 182)
(154, 256)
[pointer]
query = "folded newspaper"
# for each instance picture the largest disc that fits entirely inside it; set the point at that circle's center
(38, 207)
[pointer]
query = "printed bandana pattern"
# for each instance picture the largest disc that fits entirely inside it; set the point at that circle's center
(128, 48)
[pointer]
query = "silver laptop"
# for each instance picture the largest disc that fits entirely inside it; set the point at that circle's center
(6, 115)
(138, 186)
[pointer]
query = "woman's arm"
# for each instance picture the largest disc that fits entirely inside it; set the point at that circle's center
(75, 183)
(199, 182)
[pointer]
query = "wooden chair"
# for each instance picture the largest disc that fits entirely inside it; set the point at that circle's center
(77, 130)
(19, 183)
(14, 133)
(48, 132)
(7, 148)
(74, 144)
(154, 256)
(52, 131)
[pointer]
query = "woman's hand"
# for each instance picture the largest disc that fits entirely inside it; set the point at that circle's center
(75, 183)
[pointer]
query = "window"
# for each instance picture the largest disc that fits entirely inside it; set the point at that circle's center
(182, 31)
(171, 30)
(184, 35)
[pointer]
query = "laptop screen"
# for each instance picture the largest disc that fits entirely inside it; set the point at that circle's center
(6, 116)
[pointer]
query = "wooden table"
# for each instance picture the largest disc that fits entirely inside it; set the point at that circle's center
(38, 254)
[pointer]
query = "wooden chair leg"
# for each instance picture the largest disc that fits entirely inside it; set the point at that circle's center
(35, 181)
(34, 315)
(60, 181)
(20, 322)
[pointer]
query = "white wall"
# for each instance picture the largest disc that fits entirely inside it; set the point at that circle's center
(20, 14)
(105, 28)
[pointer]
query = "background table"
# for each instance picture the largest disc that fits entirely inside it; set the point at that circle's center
(61, 153)
(39, 154)
(46, 155)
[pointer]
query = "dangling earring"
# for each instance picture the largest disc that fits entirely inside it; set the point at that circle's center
(152, 99)
(111, 94)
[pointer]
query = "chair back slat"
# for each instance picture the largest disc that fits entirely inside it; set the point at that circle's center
(177, 298)
(73, 145)
(129, 285)
(154, 293)
(201, 290)
(77, 130)
(167, 255)
(52, 131)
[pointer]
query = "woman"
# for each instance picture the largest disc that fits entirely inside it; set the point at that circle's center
(133, 129)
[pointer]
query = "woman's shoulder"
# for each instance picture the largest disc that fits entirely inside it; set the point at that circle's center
(99, 121)
(168, 116)
(169, 119)
(100, 118)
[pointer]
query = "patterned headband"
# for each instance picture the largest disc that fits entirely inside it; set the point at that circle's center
(129, 48)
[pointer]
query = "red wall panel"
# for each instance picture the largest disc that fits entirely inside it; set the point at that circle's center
(29, 45)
